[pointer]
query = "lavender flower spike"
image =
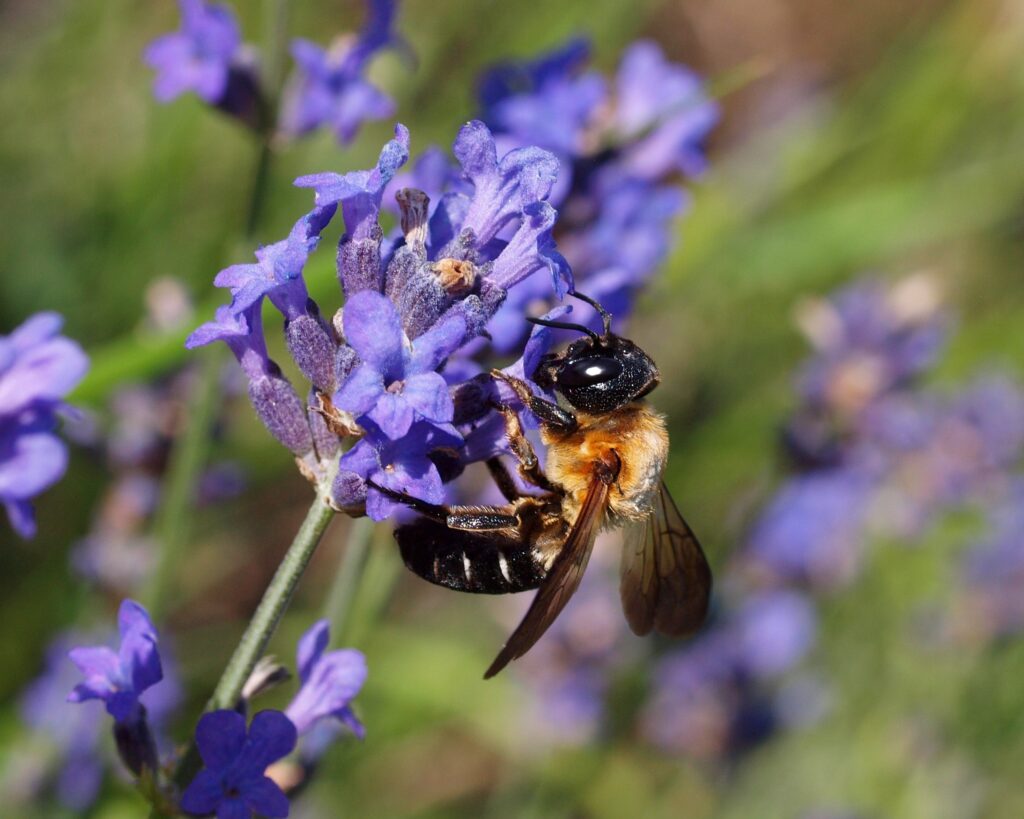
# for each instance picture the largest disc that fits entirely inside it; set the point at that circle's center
(329, 682)
(119, 678)
(198, 57)
(329, 89)
(272, 396)
(38, 368)
(501, 188)
(233, 783)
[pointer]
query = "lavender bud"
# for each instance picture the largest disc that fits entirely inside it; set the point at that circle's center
(313, 350)
(415, 291)
(243, 98)
(359, 262)
(349, 493)
(281, 412)
(345, 360)
(135, 744)
(267, 674)
(462, 246)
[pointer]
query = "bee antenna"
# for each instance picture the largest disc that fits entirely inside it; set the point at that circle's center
(605, 315)
(561, 325)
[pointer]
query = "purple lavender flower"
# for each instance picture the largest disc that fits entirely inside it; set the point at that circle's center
(663, 112)
(73, 732)
(621, 152)
(199, 56)
(397, 382)
(407, 465)
(233, 783)
(774, 630)
(869, 340)
(38, 368)
(546, 102)
(330, 681)
(119, 678)
(813, 529)
(330, 89)
(383, 369)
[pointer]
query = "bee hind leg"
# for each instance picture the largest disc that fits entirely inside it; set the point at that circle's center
(463, 518)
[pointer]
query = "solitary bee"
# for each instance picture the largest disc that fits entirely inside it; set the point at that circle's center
(605, 458)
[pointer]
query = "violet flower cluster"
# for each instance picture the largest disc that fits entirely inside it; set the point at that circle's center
(625, 143)
(378, 369)
(38, 368)
(130, 682)
(206, 56)
(875, 456)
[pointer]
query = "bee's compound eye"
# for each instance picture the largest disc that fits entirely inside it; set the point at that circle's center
(591, 370)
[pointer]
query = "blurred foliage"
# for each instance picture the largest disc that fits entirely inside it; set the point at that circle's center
(896, 145)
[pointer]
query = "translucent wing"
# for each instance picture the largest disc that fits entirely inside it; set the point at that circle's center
(665, 582)
(562, 580)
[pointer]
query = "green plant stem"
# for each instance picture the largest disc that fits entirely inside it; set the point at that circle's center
(341, 597)
(264, 621)
(272, 606)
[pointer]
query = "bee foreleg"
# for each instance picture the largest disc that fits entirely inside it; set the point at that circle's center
(529, 466)
(465, 518)
(549, 413)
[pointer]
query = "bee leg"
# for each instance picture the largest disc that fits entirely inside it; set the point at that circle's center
(550, 414)
(464, 518)
(502, 478)
(529, 466)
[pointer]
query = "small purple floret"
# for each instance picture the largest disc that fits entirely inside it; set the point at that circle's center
(233, 784)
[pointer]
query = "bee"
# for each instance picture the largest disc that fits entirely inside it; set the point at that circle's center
(606, 454)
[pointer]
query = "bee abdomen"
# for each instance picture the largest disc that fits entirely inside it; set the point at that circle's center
(478, 562)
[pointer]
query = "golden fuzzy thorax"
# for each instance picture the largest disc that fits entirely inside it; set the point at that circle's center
(636, 433)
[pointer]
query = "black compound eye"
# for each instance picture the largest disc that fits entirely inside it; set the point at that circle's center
(587, 371)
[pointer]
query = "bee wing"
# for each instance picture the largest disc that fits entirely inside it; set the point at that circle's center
(562, 580)
(665, 581)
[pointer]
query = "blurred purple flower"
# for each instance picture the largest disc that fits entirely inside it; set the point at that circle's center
(993, 573)
(233, 783)
(620, 152)
(329, 88)
(38, 368)
(774, 630)
(812, 530)
(119, 678)
(198, 57)
(870, 339)
(330, 681)
(74, 731)
(547, 101)
(662, 114)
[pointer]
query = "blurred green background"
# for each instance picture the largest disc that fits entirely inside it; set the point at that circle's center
(876, 136)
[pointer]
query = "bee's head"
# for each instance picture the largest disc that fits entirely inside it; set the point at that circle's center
(597, 374)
